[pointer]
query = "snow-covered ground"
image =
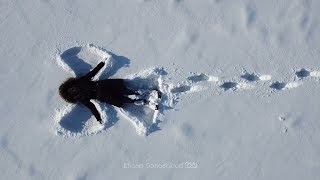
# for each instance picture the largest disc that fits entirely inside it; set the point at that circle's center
(240, 83)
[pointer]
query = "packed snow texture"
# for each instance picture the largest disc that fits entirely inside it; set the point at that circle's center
(240, 83)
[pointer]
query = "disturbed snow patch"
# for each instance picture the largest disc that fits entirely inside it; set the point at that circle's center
(76, 120)
(79, 60)
(145, 119)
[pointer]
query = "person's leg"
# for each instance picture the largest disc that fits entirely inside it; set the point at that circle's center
(121, 101)
(125, 99)
(127, 91)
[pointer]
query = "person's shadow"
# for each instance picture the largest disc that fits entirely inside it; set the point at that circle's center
(75, 120)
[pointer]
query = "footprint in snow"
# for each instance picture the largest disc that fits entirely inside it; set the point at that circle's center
(186, 89)
(252, 77)
(189, 87)
(236, 86)
(284, 86)
(202, 77)
(181, 89)
(304, 73)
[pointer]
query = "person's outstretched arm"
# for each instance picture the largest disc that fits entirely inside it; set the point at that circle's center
(93, 109)
(93, 72)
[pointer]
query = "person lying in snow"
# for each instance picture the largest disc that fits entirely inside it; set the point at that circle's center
(111, 91)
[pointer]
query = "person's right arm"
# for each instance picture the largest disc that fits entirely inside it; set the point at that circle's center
(93, 72)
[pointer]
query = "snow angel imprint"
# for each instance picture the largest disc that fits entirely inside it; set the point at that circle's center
(111, 91)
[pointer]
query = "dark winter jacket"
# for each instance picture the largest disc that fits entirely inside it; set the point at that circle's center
(83, 89)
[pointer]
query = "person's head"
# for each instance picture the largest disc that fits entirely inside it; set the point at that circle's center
(69, 91)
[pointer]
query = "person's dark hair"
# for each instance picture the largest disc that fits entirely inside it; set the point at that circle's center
(69, 92)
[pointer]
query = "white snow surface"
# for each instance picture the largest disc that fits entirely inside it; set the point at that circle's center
(240, 83)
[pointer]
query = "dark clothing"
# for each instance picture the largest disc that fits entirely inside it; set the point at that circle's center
(112, 91)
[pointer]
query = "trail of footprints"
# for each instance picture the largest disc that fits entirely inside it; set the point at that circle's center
(247, 81)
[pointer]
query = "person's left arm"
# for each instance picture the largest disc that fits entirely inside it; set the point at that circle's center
(93, 109)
